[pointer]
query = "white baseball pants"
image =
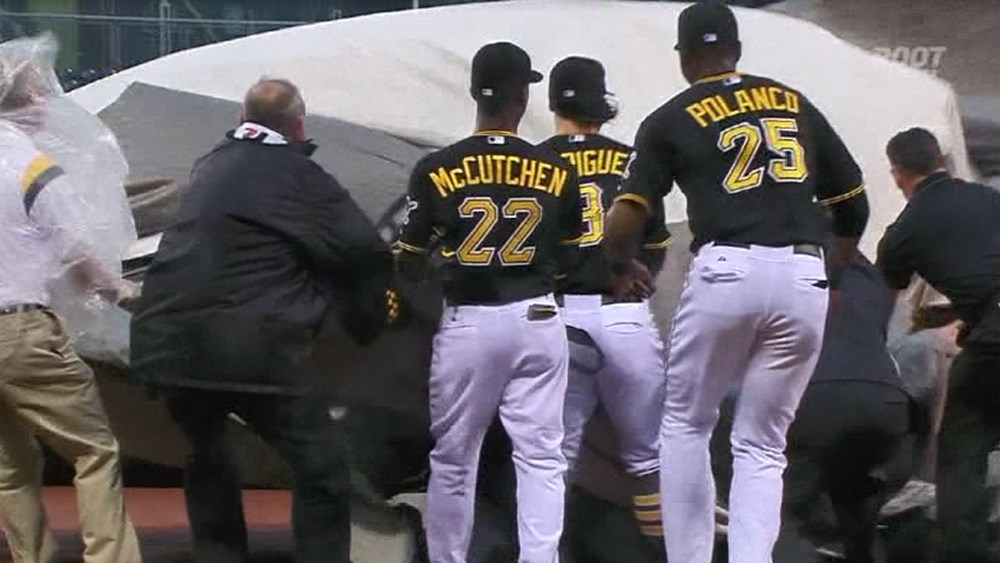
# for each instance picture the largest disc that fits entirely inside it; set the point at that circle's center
(752, 318)
(488, 359)
(629, 385)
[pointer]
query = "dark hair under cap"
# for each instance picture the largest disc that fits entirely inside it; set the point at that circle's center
(915, 150)
(577, 91)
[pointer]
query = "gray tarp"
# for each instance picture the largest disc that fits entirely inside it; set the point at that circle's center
(164, 131)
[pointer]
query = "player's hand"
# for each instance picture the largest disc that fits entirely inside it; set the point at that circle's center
(633, 282)
(123, 292)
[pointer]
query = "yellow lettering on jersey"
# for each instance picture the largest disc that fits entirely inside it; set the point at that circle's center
(485, 169)
(618, 168)
(472, 179)
(745, 103)
(456, 178)
(698, 113)
(528, 172)
(498, 166)
(773, 94)
(591, 162)
(711, 106)
(571, 156)
(510, 178)
(760, 98)
(543, 169)
(605, 161)
(511, 170)
(718, 107)
(442, 182)
(792, 101)
(558, 181)
(725, 107)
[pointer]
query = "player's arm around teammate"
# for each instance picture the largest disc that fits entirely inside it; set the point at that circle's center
(499, 210)
(616, 356)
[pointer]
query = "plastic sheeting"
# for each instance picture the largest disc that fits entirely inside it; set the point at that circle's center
(95, 170)
(406, 73)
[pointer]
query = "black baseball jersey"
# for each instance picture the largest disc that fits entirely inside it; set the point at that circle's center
(752, 157)
(501, 214)
(600, 163)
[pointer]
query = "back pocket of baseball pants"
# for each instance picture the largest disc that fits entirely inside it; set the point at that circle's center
(723, 269)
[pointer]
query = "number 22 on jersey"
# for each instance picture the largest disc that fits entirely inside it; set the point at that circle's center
(513, 252)
(745, 137)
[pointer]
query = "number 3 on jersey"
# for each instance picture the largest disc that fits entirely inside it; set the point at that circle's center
(789, 167)
(593, 215)
(513, 252)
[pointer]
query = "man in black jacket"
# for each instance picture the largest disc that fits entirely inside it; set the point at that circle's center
(948, 234)
(265, 243)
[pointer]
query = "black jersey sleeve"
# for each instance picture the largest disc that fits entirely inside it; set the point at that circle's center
(418, 223)
(647, 177)
(839, 176)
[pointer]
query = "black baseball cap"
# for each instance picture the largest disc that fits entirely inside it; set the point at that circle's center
(499, 67)
(707, 23)
(577, 79)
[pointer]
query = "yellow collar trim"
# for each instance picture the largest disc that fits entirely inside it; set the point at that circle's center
(714, 77)
(495, 132)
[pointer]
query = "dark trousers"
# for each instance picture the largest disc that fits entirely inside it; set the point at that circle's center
(301, 430)
(970, 430)
(844, 442)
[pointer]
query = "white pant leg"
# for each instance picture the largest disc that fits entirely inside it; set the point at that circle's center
(711, 339)
(468, 375)
(532, 414)
(632, 383)
(777, 376)
(581, 390)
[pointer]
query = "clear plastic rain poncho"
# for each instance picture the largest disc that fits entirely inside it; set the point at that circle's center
(32, 100)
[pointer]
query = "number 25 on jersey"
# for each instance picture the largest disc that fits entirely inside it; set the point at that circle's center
(745, 137)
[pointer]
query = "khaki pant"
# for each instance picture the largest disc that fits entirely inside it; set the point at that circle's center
(47, 393)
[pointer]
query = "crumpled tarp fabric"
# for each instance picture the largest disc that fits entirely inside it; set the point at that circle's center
(95, 168)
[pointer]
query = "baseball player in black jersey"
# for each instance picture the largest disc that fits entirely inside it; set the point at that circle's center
(755, 160)
(629, 381)
(499, 213)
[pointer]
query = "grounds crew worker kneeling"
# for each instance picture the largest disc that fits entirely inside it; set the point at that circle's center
(231, 303)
